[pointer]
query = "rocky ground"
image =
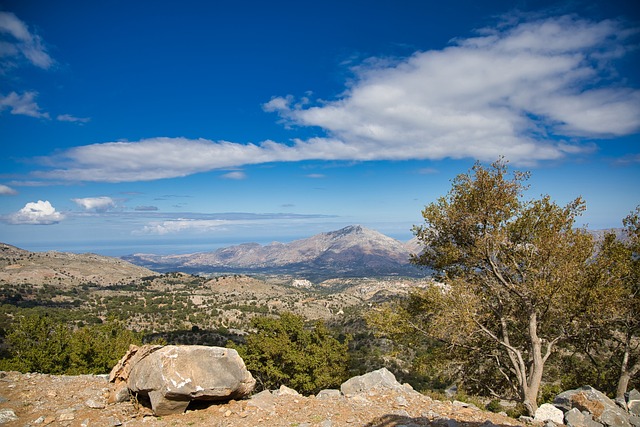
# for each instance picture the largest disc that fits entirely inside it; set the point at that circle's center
(48, 400)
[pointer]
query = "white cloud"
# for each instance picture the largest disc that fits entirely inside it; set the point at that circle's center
(7, 191)
(22, 104)
(516, 92)
(97, 204)
(36, 213)
(235, 175)
(17, 40)
(181, 225)
(531, 91)
(72, 119)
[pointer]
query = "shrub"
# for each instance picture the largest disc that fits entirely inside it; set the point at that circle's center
(283, 352)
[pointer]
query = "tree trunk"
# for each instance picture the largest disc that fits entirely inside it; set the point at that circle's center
(625, 372)
(534, 379)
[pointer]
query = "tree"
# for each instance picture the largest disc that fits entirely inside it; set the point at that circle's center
(617, 267)
(96, 349)
(512, 274)
(38, 344)
(283, 352)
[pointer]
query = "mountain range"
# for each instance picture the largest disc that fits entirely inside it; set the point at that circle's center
(353, 251)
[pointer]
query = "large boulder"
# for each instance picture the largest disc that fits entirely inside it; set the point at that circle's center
(382, 378)
(594, 402)
(548, 412)
(172, 376)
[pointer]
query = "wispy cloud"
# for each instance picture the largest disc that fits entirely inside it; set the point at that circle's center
(199, 223)
(35, 213)
(528, 90)
(16, 42)
(96, 204)
(181, 225)
(5, 190)
(24, 104)
(146, 208)
(316, 176)
(239, 175)
(72, 119)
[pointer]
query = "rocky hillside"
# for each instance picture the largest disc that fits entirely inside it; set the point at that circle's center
(353, 251)
(37, 268)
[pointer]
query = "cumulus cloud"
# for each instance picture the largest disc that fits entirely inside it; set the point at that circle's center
(530, 91)
(16, 41)
(96, 204)
(7, 191)
(521, 92)
(36, 213)
(24, 104)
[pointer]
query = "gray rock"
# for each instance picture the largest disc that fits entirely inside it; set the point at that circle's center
(451, 391)
(634, 420)
(263, 400)
(7, 415)
(603, 409)
(329, 394)
(381, 378)
(633, 402)
(614, 418)
(575, 418)
(95, 404)
(285, 391)
(548, 412)
(173, 376)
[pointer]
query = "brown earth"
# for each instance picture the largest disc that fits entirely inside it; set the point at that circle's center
(48, 400)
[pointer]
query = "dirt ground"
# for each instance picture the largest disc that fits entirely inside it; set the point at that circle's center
(48, 400)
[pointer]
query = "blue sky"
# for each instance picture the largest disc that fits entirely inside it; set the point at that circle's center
(174, 127)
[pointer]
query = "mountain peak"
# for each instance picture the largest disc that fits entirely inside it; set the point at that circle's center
(350, 229)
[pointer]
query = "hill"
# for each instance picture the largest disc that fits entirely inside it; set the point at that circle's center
(66, 269)
(353, 251)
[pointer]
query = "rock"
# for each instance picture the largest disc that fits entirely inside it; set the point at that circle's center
(603, 409)
(285, 391)
(172, 376)
(95, 404)
(575, 418)
(633, 402)
(634, 420)
(451, 391)
(263, 400)
(7, 415)
(329, 394)
(548, 412)
(381, 378)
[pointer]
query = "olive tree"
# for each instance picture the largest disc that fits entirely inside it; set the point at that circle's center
(511, 278)
(617, 267)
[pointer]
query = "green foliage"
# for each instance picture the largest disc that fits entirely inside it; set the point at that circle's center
(513, 281)
(613, 343)
(282, 351)
(38, 343)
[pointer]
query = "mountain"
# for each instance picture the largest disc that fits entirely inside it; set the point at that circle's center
(353, 251)
(64, 269)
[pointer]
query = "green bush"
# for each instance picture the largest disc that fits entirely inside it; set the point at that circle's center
(283, 352)
(39, 343)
